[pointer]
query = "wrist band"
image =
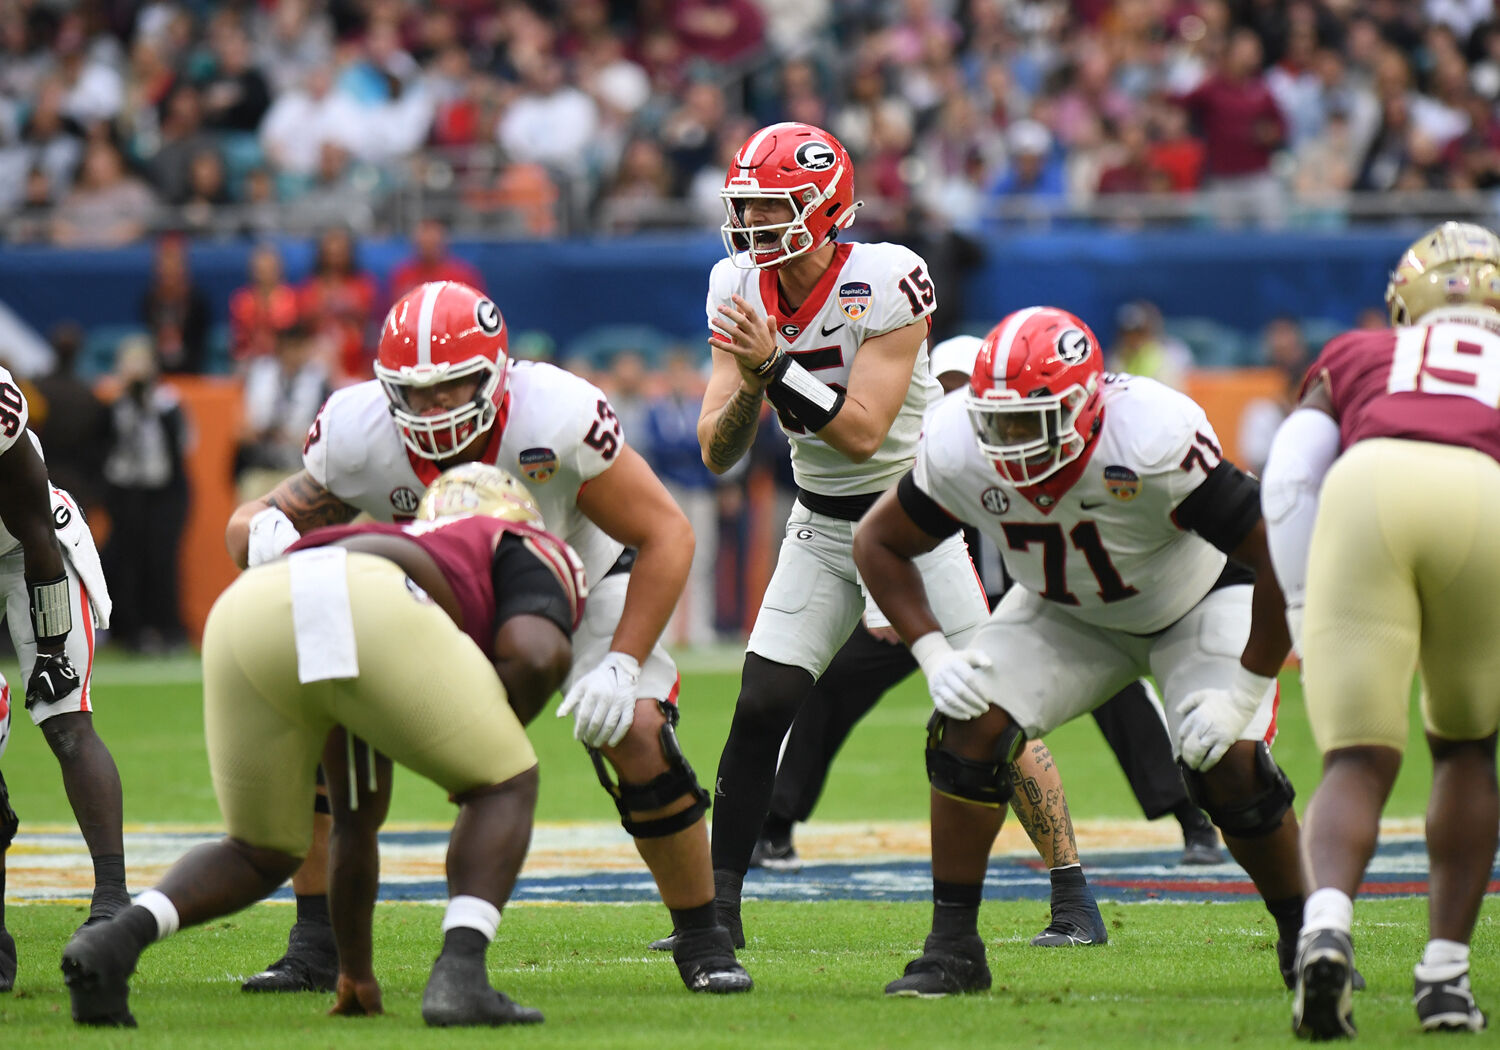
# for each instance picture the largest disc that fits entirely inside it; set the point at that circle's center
(51, 612)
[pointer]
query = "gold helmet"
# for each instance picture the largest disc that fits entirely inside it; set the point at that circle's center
(476, 488)
(1455, 264)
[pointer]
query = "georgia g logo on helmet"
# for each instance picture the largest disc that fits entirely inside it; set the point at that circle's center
(487, 314)
(816, 156)
(1072, 346)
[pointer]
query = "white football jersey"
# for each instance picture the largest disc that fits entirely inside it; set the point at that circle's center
(1107, 550)
(869, 290)
(15, 413)
(558, 433)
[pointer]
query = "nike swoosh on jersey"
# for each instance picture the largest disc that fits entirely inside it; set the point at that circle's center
(1086, 505)
(829, 331)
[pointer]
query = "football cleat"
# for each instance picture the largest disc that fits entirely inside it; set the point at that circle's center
(458, 995)
(311, 963)
(1200, 845)
(776, 854)
(705, 958)
(947, 966)
(7, 960)
(1073, 926)
(96, 967)
(1447, 1005)
(1286, 962)
(1323, 1004)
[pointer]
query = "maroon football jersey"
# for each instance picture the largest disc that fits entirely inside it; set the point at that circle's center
(464, 550)
(1437, 382)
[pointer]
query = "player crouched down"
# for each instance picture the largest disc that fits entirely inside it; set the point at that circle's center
(369, 644)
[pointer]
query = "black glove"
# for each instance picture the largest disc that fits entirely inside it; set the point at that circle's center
(52, 678)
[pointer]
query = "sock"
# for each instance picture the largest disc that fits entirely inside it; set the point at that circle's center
(472, 913)
(1443, 961)
(777, 829)
(109, 873)
(2, 889)
(955, 908)
(1191, 818)
(1068, 884)
(1326, 909)
(700, 918)
(465, 942)
(728, 885)
(312, 909)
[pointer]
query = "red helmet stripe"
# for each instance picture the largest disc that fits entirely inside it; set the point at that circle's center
(1005, 343)
(747, 154)
(424, 322)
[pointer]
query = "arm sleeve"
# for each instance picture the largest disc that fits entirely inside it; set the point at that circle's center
(524, 586)
(926, 512)
(1223, 509)
(1301, 453)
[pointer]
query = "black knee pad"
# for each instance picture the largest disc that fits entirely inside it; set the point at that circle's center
(969, 780)
(1252, 817)
(9, 822)
(678, 781)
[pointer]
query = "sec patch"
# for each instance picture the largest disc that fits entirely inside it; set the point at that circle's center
(538, 464)
(1122, 482)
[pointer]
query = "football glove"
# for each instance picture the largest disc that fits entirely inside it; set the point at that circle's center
(52, 678)
(603, 701)
(1214, 719)
(271, 533)
(952, 676)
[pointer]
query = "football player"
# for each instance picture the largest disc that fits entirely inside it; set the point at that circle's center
(835, 337)
(1134, 546)
(54, 596)
(307, 658)
(448, 393)
(1392, 453)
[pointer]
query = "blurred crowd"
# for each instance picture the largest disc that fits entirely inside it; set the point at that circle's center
(537, 118)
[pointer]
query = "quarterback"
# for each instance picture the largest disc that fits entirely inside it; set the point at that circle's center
(1382, 492)
(1134, 546)
(446, 392)
(835, 337)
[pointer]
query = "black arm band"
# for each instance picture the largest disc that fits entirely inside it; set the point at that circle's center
(526, 587)
(923, 510)
(1223, 509)
(51, 611)
(795, 391)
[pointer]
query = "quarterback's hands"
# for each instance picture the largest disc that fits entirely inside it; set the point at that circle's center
(1214, 719)
(952, 676)
(603, 701)
(740, 331)
(271, 533)
(52, 678)
(357, 997)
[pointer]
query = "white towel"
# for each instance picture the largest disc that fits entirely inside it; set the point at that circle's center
(875, 617)
(77, 545)
(322, 619)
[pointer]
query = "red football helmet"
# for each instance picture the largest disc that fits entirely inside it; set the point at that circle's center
(798, 163)
(1034, 394)
(439, 332)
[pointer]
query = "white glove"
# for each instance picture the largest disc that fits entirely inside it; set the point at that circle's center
(952, 676)
(1214, 719)
(603, 701)
(271, 533)
(1294, 626)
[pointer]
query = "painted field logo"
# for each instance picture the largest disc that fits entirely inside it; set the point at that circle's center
(854, 299)
(1122, 482)
(538, 464)
(404, 500)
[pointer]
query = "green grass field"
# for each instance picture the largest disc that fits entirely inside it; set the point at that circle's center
(1173, 974)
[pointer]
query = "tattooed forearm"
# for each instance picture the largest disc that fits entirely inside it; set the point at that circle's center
(308, 504)
(734, 431)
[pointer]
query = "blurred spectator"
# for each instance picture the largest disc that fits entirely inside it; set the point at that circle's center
(302, 119)
(292, 38)
(640, 195)
(283, 392)
(688, 136)
(338, 300)
(671, 427)
(107, 207)
(551, 123)
(722, 32)
(207, 193)
(1242, 127)
(1033, 172)
(146, 494)
(430, 261)
(262, 309)
(236, 96)
(625, 382)
(1286, 352)
(1325, 169)
(1142, 348)
(49, 142)
(182, 138)
(1135, 170)
(175, 312)
(72, 423)
(93, 91)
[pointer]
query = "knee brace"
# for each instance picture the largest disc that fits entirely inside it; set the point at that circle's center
(969, 780)
(678, 781)
(9, 822)
(1258, 815)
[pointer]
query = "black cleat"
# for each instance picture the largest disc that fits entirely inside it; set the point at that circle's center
(1201, 846)
(776, 854)
(947, 966)
(1323, 1007)
(664, 944)
(7, 960)
(1286, 962)
(458, 995)
(1447, 1005)
(705, 958)
(311, 963)
(1073, 926)
(96, 967)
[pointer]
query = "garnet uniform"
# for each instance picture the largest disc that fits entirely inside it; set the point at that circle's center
(324, 637)
(1404, 565)
(815, 599)
(556, 433)
(1120, 573)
